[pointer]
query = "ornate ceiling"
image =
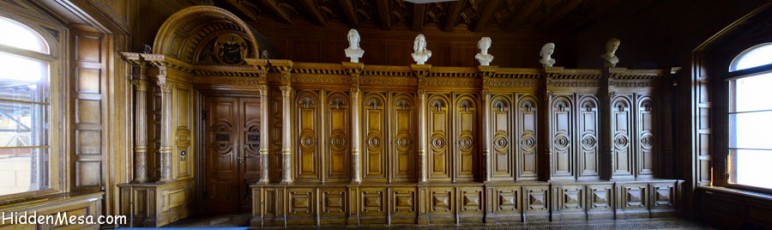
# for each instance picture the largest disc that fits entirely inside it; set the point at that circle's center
(474, 15)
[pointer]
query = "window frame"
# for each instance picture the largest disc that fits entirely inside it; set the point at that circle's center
(725, 133)
(54, 34)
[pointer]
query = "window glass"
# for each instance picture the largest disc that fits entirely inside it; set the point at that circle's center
(755, 56)
(20, 36)
(750, 119)
(24, 108)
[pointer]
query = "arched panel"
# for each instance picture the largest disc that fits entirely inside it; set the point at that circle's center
(337, 132)
(374, 121)
(646, 145)
(589, 157)
(466, 139)
(562, 133)
(526, 133)
(308, 130)
(403, 130)
(502, 166)
(181, 34)
(439, 157)
(621, 130)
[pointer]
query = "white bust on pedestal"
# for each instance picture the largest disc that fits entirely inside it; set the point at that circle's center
(483, 57)
(353, 52)
(420, 53)
(546, 55)
(609, 58)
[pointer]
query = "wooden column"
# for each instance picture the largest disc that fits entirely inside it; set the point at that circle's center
(166, 124)
(285, 68)
(355, 69)
(485, 73)
(139, 80)
(264, 133)
(420, 72)
(140, 125)
(262, 67)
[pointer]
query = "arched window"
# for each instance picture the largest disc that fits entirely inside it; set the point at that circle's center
(750, 117)
(24, 109)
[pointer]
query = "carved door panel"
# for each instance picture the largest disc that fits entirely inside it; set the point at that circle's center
(221, 152)
(621, 127)
(562, 138)
(403, 131)
(527, 157)
(465, 121)
(374, 124)
(307, 160)
(249, 141)
(502, 158)
(232, 147)
(439, 159)
(337, 129)
(645, 146)
(588, 157)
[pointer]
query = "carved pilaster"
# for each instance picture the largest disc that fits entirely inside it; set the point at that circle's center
(140, 127)
(354, 70)
(264, 134)
(486, 100)
(166, 124)
(420, 72)
(286, 92)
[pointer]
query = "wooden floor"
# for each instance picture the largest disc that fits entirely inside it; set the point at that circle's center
(241, 221)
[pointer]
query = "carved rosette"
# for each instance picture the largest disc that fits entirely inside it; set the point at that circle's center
(589, 142)
(500, 142)
(527, 142)
(621, 141)
(647, 141)
(438, 141)
(562, 141)
(465, 142)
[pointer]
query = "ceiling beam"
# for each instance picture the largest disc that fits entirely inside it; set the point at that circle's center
(274, 6)
(314, 12)
(592, 15)
(419, 13)
(452, 16)
(348, 10)
(237, 5)
(486, 13)
(384, 13)
(528, 9)
(559, 14)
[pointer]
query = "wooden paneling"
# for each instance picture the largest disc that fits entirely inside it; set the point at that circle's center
(439, 142)
(527, 133)
(374, 120)
(403, 129)
(621, 131)
(466, 138)
(502, 132)
(88, 90)
(645, 129)
(588, 157)
(562, 133)
(337, 123)
(308, 130)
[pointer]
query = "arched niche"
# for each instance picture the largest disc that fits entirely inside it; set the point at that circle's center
(201, 30)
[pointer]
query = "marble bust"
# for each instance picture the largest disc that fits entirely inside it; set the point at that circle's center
(483, 56)
(609, 58)
(420, 53)
(546, 55)
(353, 52)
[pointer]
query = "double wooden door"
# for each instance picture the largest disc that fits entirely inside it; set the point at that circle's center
(232, 128)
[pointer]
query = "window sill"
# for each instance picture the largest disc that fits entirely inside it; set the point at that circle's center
(733, 191)
(44, 202)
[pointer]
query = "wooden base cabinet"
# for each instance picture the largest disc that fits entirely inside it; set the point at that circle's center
(316, 204)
